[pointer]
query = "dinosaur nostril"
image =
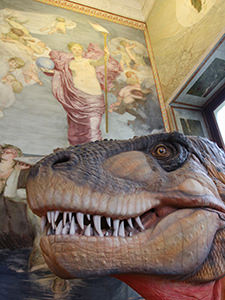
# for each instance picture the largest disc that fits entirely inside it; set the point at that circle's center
(61, 158)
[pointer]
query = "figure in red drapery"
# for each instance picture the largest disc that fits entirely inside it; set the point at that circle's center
(77, 83)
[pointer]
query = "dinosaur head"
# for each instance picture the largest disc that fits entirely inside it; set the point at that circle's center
(152, 205)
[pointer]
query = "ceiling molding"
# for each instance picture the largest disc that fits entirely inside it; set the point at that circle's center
(133, 9)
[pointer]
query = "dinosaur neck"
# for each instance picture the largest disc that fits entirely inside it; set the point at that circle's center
(156, 289)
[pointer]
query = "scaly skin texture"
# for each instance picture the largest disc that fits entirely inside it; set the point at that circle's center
(145, 210)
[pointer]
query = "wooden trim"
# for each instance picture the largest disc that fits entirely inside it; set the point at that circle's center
(185, 108)
(174, 118)
(189, 105)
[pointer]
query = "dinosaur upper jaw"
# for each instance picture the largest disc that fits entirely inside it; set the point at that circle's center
(173, 244)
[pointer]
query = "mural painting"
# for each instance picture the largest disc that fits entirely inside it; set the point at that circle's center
(68, 78)
(65, 78)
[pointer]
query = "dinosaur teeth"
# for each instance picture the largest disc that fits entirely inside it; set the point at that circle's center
(78, 223)
(56, 215)
(121, 229)
(138, 220)
(65, 229)
(88, 231)
(108, 220)
(49, 216)
(59, 228)
(97, 224)
(130, 223)
(80, 219)
(70, 216)
(64, 217)
(73, 226)
(43, 223)
(116, 227)
(53, 219)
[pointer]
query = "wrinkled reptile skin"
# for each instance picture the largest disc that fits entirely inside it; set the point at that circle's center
(175, 184)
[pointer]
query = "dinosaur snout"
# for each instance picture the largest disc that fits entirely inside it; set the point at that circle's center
(60, 160)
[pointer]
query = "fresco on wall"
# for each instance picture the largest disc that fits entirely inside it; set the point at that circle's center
(53, 92)
(53, 87)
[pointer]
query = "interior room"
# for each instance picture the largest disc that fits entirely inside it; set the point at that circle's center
(74, 72)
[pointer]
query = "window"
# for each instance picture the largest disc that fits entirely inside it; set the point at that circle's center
(214, 114)
(219, 114)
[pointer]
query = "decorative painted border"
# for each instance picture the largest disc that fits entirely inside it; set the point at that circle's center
(90, 11)
(161, 99)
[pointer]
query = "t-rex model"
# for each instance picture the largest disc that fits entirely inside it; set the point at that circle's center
(149, 211)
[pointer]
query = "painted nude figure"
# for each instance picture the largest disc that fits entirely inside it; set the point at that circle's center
(77, 83)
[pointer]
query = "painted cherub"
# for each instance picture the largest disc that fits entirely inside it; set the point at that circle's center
(128, 95)
(25, 72)
(58, 26)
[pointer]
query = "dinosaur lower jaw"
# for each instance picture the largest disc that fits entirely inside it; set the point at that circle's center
(155, 288)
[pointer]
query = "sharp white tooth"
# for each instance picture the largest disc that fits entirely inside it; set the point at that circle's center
(70, 216)
(64, 217)
(87, 231)
(43, 222)
(56, 215)
(65, 229)
(88, 217)
(53, 219)
(59, 228)
(72, 226)
(138, 220)
(115, 227)
(121, 229)
(130, 233)
(130, 223)
(95, 233)
(108, 220)
(107, 233)
(49, 216)
(80, 219)
(97, 224)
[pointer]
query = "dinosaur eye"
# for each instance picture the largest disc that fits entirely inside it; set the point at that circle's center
(161, 151)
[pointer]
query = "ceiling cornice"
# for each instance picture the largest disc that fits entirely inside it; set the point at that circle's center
(133, 9)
